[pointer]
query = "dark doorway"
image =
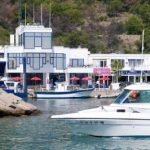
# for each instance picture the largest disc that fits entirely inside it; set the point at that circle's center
(2, 68)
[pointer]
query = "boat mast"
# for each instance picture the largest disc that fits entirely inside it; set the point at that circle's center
(142, 60)
(20, 12)
(41, 14)
(25, 11)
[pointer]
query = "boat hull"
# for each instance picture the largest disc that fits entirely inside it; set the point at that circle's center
(110, 127)
(67, 94)
(19, 94)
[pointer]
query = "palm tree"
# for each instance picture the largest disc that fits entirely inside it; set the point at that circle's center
(116, 65)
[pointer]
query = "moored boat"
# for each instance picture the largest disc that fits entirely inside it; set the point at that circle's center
(129, 115)
(13, 87)
(64, 90)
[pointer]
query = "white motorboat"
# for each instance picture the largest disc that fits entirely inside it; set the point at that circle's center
(125, 117)
(63, 90)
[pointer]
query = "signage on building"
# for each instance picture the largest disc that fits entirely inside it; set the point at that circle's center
(102, 71)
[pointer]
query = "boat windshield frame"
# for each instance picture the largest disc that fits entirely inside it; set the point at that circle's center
(122, 97)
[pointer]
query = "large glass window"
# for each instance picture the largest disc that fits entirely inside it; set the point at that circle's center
(141, 96)
(29, 42)
(38, 39)
(58, 60)
(135, 63)
(14, 60)
(46, 42)
(36, 60)
(76, 62)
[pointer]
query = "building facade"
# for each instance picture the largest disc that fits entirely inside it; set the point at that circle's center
(58, 63)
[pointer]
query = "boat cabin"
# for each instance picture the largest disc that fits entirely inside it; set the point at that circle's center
(137, 93)
(11, 85)
(64, 86)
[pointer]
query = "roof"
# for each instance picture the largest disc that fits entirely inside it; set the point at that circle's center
(138, 86)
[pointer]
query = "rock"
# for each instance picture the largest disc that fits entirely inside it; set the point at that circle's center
(15, 106)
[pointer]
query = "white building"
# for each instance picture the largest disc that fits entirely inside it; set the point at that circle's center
(131, 65)
(52, 63)
(34, 43)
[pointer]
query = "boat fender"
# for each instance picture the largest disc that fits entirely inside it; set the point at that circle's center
(99, 96)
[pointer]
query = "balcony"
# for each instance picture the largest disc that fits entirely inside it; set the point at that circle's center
(80, 69)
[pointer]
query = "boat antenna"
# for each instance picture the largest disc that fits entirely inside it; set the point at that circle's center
(41, 14)
(141, 78)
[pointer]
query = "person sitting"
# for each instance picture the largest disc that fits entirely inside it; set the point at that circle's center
(134, 95)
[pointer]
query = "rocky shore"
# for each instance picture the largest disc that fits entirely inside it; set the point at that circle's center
(11, 105)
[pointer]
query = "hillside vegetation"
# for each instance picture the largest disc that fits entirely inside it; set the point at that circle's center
(103, 26)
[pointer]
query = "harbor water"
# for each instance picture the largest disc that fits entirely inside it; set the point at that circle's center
(40, 132)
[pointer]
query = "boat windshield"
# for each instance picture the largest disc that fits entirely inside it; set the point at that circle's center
(121, 98)
(133, 96)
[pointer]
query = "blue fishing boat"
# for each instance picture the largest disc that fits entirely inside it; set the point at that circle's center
(13, 87)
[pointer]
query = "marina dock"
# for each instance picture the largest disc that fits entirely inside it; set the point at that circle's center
(105, 93)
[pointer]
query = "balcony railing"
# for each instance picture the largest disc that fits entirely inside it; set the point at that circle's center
(84, 66)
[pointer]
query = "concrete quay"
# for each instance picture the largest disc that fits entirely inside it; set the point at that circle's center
(105, 93)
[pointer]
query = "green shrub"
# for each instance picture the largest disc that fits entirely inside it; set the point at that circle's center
(143, 10)
(76, 38)
(134, 25)
(4, 36)
(114, 7)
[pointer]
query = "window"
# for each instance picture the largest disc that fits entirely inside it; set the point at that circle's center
(20, 39)
(37, 39)
(14, 60)
(76, 62)
(100, 62)
(103, 63)
(38, 42)
(135, 62)
(58, 60)
(29, 42)
(36, 60)
(46, 40)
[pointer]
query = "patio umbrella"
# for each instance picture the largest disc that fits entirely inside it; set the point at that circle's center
(74, 78)
(104, 78)
(35, 79)
(16, 78)
(86, 78)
